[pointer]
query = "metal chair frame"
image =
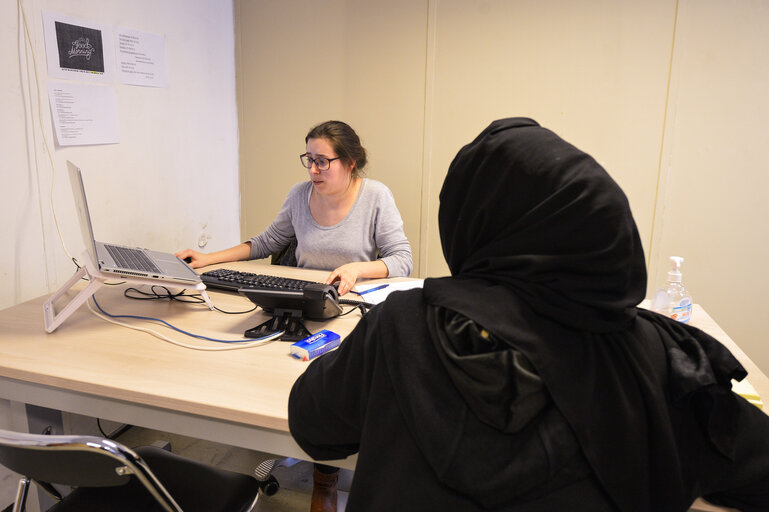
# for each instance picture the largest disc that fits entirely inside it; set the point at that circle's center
(44, 459)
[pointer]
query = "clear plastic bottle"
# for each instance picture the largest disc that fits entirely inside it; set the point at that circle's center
(673, 300)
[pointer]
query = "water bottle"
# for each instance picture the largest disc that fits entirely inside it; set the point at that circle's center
(673, 300)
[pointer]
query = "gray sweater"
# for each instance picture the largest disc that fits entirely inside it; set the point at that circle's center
(372, 225)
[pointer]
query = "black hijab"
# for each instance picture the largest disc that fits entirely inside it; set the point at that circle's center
(544, 253)
(523, 206)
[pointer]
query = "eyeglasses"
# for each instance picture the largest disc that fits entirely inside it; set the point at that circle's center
(322, 163)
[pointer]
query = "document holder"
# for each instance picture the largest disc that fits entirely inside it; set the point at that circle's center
(96, 278)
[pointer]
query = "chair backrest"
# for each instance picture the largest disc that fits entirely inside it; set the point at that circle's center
(79, 461)
(285, 256)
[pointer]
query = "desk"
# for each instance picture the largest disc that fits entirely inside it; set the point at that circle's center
(91, 367)
(756, 377)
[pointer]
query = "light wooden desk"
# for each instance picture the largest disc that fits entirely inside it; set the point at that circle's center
(91, 367)
(755, 377)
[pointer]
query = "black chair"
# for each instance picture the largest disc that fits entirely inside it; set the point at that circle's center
(285, 256)
(106, 475)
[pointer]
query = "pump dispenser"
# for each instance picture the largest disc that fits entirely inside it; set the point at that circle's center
(673, 300)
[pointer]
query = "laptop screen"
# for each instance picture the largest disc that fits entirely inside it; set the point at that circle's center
(78, 192)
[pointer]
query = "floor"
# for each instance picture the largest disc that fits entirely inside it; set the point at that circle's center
(295, 481)
(295, 477)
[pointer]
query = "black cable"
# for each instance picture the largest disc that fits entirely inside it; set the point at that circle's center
(181, 296)
(155, 295)
(236, 312)
(98, 425)
(116, 433)
(349, 302)
(363, 306)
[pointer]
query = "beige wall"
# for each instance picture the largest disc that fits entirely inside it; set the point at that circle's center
(668, 95)
(418, 80)
(713, 201)
(303, 62)
(598, 79)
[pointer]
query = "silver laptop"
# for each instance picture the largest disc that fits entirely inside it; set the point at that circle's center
(119, 259)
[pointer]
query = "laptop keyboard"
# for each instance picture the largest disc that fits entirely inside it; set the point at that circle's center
(233, 280)
(133, 259)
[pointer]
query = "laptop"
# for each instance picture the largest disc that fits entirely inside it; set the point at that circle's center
(122, 260)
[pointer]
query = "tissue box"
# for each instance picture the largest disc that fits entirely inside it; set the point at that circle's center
(315, 345)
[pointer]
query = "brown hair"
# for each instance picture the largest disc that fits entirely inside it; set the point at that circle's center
(345, 142)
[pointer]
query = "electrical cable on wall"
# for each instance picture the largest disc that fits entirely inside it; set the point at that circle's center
(47, 147)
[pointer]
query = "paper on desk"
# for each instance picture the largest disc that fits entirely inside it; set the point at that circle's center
(746, 390)
(377, 296)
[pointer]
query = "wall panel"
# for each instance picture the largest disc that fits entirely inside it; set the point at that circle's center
(594, 72)
(302, 63)
(714, 204)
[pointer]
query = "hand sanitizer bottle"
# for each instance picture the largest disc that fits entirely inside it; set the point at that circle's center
(673, 301)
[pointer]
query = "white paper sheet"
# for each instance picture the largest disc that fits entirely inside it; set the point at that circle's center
(370, 293)
(84, 114)
(78, 50)
(141, 58)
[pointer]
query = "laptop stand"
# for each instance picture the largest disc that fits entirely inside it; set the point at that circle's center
(96, 278)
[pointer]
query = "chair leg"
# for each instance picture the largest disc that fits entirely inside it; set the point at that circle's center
(267, 483)
(21, 495)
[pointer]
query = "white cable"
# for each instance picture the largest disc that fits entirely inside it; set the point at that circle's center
(42, 129)
(231, 346)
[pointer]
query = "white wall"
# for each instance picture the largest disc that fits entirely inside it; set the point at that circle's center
(181, 141)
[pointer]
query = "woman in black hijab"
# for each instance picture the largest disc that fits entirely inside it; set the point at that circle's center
(529, 380)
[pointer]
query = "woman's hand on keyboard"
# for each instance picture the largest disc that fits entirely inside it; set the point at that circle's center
(347, 275)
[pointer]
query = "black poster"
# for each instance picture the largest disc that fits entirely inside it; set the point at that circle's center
(80, 48)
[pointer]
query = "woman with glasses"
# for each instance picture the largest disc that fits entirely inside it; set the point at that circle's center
(339, 220)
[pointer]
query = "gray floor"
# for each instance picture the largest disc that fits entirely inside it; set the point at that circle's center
(295, 481)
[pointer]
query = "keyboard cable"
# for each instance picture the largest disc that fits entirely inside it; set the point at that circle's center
(230, 344)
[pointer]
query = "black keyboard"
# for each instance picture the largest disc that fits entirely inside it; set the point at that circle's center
(133, 259)
(233, 280)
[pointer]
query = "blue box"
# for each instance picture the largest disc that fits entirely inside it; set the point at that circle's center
(315, 345)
